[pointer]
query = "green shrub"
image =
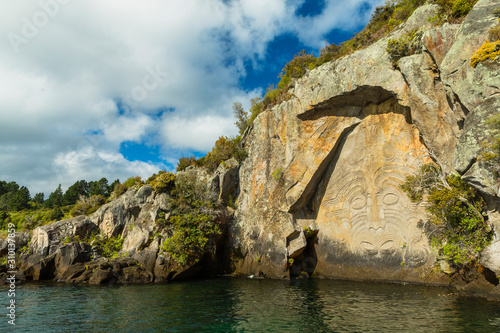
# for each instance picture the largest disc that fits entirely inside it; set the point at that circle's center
(190, 236)
(87, 205)
(192, 221)
(451, 10)
(457, 211)
(110, 246)
(224, 149)
(406, 45)
(490, 151)
(184, 162)
(461, 8)
(163, 182)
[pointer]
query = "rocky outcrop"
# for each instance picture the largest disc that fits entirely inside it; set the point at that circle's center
(72, 250)
(319, 193)
(331, 158)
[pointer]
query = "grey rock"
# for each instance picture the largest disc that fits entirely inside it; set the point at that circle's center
(47, 239)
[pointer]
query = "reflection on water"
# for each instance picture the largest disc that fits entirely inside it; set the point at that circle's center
(240, 305)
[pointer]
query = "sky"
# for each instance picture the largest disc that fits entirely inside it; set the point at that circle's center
(120, 88)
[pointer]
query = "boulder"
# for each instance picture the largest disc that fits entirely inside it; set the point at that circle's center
(45, 240)
(21, 239)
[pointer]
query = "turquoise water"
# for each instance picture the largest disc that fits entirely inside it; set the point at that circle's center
(245, 305)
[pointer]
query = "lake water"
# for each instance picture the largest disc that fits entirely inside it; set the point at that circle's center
(246, 305)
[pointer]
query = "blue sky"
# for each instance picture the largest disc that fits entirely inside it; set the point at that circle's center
(122, 88)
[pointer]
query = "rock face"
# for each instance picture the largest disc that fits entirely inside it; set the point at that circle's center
(133, 217)
(331, 158)
(319, 193)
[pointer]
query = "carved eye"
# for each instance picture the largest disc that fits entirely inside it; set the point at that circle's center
(388, 245)
(369, 248)
(390, 199)
(358, 203)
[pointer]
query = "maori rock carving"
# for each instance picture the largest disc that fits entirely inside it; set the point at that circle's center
(362, 205)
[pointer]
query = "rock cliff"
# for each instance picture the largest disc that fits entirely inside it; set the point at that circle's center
(320, 191)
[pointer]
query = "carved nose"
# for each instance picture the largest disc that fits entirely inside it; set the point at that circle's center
(376, 218)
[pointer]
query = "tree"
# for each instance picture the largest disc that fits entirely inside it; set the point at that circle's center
(100, 187)
(55, 198)
(20, 199)
(73, 193)
(39, 198)
(241, 117)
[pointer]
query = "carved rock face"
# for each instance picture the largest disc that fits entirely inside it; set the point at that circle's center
(359, 203)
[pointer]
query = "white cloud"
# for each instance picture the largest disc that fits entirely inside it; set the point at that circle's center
(59, 119)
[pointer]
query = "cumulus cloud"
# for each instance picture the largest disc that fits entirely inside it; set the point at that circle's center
(82, 77)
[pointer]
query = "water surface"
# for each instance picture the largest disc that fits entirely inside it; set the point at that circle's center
(246, 305)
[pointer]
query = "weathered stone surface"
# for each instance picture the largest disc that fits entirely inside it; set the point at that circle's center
(430, 109)
(296, 244)
(470, 146)
(38, 267)
(438, 41)
(47, 239)
(362, 215)
(147, 257)
(472, 85)
(357, 108)
(71, 254)
(21, 239)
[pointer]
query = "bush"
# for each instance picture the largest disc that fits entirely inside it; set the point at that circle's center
(486, 51)
(163, 182)
(224, 149)
(457, 214)
(190, 237)
(461, 8)
(184, 162)
(192, 219)
(87, 205)
(404, 46)
(451, 10)
(119, 189)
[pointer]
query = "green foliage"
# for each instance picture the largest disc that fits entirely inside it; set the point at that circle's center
(452, 10)
(111, 246)
(256, 107)
(496, 12)
(132, 181)
(55, 198)
(190, 237)
(457, 213)
(486, 51)
(461, 8)
(192, 221)
(163, 182)
(87, 205)
(184, 162)
(241, 117)
(224, 149)
(406, 45)
(119, 189)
